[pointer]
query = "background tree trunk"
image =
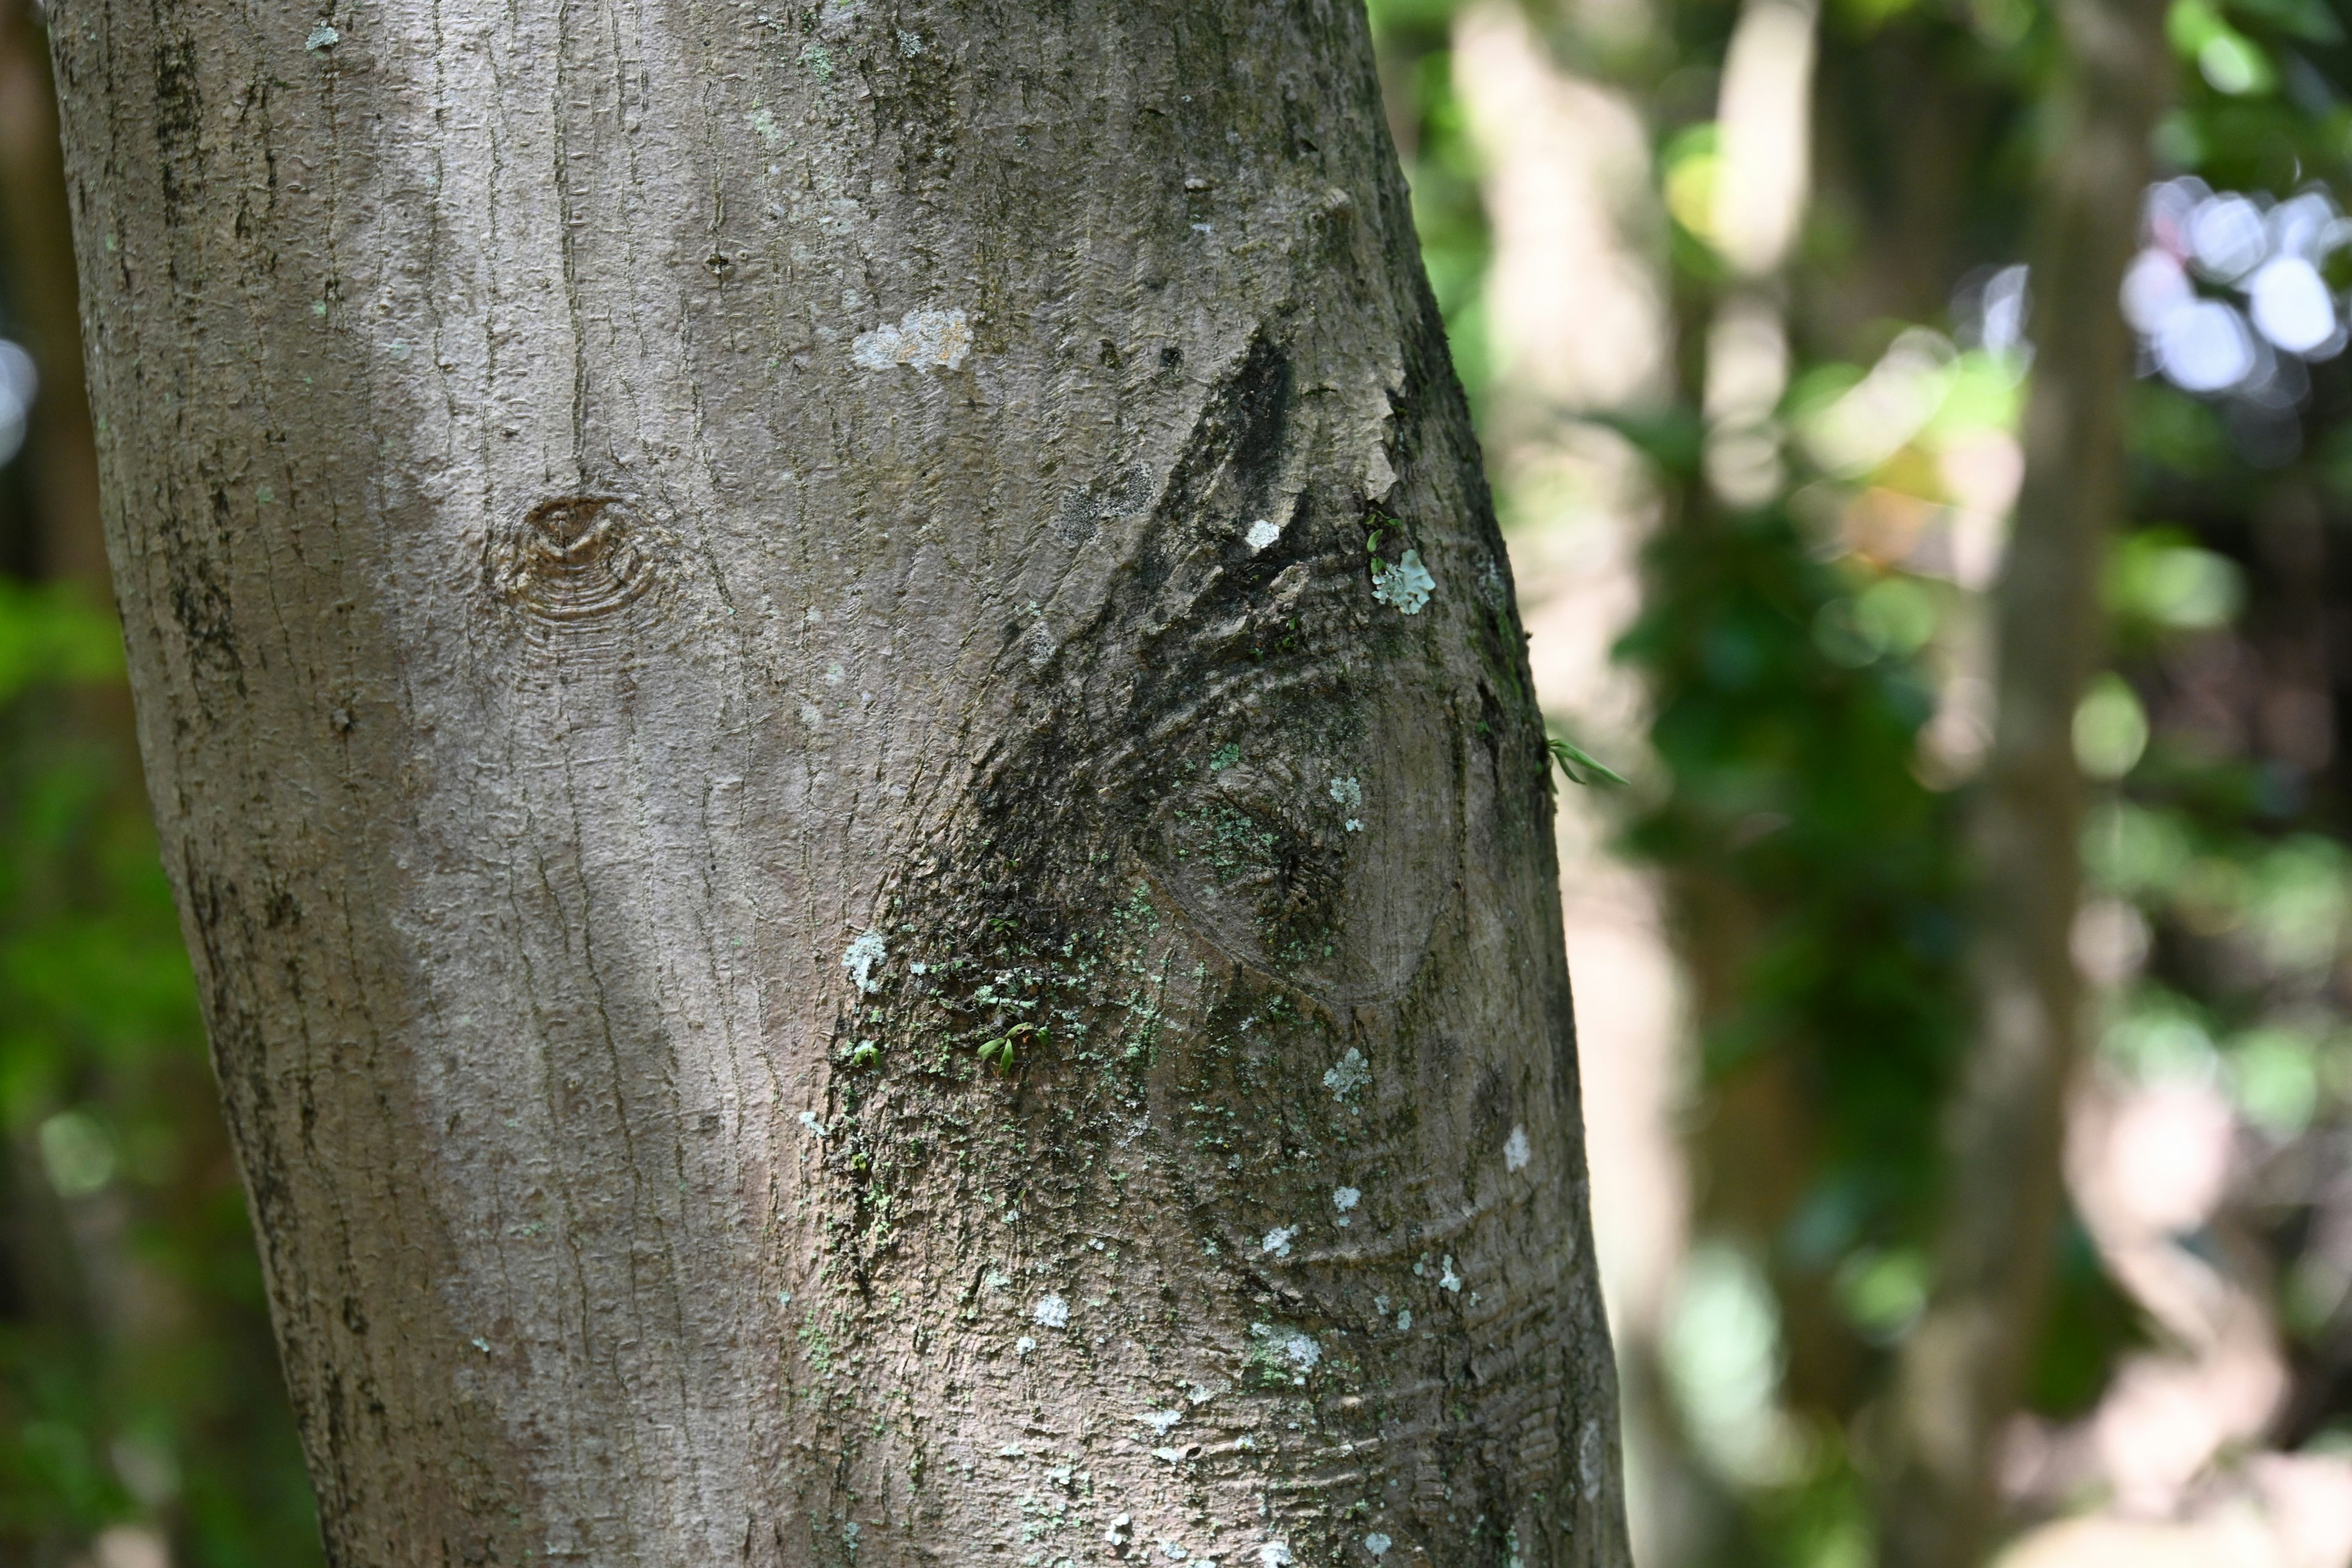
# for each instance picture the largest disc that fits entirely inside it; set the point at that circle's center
(849, 908)
(1963, 1368)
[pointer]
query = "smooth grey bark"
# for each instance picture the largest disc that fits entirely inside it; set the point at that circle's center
(848, 909)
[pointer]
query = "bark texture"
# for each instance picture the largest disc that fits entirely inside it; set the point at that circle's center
(1963, 1368)
(851, 908)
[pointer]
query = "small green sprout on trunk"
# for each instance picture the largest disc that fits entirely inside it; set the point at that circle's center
(1579, 764)
(1000, 1052)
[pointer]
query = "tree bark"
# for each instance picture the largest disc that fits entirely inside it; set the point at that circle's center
(1963, 1368)
(850, 908)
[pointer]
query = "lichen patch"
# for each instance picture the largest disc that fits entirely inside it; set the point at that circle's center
(1349, 1075)
(1404, 583)
(924, 339)
(862, 957)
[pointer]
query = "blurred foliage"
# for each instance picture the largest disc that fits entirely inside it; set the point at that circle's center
(1787, 719)
(137, 1378)
(1813, 660)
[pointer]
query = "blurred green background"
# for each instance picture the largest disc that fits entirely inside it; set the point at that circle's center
(1753, 525)
(1752, 261)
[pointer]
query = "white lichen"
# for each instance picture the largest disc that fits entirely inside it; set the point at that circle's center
(1160, 1421)
(1261, 532)
(862, 956)
(1345, 1198)
(1378, 1544)
(1121, 1530)
(1405, 1321)
(1517, 1152)
(1051, 1312)
(810, 1119)
(322, 36)
(1023, 1345)
(1348, 795)
(1492, 587)
(1350, 1074)
(1302, 1351)
(1277, 1241)
(764, 126)
(1274, 1554)
(923, 338)
(1450, 1280)
(1404, 583)
(1174, 1551)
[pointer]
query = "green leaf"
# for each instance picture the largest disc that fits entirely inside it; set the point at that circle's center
(2307, 19)
(1572, 758)
(50, 636)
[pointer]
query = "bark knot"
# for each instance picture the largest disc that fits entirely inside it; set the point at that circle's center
(574, 558)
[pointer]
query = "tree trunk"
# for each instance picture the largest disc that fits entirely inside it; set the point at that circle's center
(1964, 1367)
(852, 908)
